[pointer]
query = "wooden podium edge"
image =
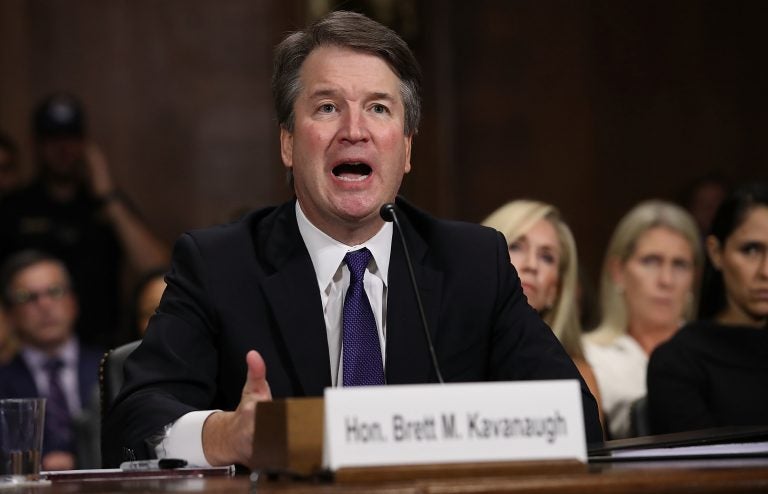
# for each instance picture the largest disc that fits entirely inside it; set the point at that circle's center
(359, 475)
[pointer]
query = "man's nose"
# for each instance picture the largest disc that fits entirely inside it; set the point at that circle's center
(44, 302)
(354, 126)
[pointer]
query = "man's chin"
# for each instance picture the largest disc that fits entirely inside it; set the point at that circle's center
(360, 216)
(50, 340)
(361, 210)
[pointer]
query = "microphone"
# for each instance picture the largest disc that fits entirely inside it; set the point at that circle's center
(388, 212)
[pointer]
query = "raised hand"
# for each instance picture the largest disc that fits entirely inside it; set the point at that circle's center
(97, 171)
(228, 436)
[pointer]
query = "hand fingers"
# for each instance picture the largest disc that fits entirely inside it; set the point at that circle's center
(98, 170)
(256, 381)
(94, 156)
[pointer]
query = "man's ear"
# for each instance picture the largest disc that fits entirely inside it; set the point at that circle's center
(286, 147)
(715, 251)
(408, 142)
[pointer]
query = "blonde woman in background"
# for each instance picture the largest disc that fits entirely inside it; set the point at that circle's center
(542, 249)
(647, 291)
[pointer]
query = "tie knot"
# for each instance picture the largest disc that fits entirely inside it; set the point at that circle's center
(53, 365)
(357, 261)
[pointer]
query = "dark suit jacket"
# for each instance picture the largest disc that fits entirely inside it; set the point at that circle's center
(16, 379)
(251, 285)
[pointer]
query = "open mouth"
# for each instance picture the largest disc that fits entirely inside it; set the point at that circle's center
(352, 172)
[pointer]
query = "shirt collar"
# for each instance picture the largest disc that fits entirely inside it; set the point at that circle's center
(327, 253)
(37, 358)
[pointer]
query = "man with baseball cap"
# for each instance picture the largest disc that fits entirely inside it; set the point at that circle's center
(73, 210)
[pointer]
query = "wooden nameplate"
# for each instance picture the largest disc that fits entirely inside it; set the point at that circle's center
(288, 439)
(288, 436)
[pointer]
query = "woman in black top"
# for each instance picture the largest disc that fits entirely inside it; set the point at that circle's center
(714, 372)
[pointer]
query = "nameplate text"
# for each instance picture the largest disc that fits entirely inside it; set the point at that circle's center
(451, 423)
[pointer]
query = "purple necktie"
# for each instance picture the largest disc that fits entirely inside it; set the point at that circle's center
(58, 422)
(361, 349)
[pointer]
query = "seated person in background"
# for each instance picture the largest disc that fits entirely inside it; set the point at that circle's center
(51, 362)
(714, 372)
(74, 211)
(647, 291)
(542, 249)
(347, 98)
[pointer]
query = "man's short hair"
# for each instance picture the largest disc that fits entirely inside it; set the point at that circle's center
(17, 263)
(347, 30)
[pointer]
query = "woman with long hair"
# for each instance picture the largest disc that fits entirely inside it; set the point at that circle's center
(714, 372)
(542, 249)
(647, 291)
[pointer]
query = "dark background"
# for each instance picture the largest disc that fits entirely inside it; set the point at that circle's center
(590, 105)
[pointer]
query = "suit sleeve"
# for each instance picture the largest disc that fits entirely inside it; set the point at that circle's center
(525, 348)
(174, 370)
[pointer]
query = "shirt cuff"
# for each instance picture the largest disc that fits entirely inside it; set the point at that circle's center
(184, 439)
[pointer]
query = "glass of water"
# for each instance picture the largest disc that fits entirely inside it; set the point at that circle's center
(21, 439)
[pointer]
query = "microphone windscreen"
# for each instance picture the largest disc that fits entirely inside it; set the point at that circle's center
(387, 212)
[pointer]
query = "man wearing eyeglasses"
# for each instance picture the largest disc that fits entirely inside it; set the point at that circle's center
(42, 309)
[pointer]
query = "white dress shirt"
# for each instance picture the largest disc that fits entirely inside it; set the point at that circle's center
(183, 439)
(333, 280)
(69, 354)
(620, 368)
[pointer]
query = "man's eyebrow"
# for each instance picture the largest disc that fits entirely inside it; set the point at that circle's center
(384, 96)
(328, 92)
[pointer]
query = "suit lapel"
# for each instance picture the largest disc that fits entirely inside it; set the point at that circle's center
(408, 359)
(21, 382)
(294, 297)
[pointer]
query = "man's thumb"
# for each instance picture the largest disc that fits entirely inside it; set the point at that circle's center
(257, 374)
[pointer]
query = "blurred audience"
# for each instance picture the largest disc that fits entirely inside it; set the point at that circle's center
(647, 291)
(714, 372)
(543, 251)
(10, 175)
(74, 211)
(51, 362)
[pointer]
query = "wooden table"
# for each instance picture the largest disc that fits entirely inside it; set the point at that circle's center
(711, 476)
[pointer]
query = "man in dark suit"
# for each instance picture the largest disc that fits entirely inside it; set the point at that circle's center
(51, 363)
(279, 281)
